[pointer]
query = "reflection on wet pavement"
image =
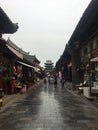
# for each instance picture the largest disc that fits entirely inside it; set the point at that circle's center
(50, 108)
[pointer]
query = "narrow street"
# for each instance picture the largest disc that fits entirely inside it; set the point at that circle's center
(49, 108)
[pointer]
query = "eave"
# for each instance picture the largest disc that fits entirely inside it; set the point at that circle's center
(87, 25)
(6, 25)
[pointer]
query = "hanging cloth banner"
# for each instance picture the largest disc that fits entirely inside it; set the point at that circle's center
(69, 65)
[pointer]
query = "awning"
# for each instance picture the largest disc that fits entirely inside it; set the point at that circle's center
(18, 54)
(69, 65)
(35, 68)
(94, 59)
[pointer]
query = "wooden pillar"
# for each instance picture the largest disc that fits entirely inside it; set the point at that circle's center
(75, 58)
(75, 63)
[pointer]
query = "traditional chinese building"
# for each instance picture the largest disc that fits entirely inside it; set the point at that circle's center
(49, 66)
(6, 54)
(6, 25)
(82, 45)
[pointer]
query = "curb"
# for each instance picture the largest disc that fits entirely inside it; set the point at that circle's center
(84, 99)
(9, 99)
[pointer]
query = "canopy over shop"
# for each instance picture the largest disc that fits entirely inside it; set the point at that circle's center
(35, 68)
(17, 68)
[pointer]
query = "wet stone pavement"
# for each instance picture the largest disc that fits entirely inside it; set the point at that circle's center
(49, 108)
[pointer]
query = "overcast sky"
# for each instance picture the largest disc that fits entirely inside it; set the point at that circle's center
(45, 26)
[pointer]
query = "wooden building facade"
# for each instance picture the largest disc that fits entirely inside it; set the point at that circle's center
(82, 45)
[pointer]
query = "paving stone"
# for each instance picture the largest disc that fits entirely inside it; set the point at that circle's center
(47, 108)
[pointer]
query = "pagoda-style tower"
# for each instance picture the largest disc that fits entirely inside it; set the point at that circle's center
(49, 66)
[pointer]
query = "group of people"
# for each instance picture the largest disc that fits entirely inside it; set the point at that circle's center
(50, 80)
(53, 80)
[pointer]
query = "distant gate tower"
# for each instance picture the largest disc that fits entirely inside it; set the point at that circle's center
(49, 66)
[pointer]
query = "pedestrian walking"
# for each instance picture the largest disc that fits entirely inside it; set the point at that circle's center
(55, 81)
(50, 80)
(45, 81)
(62, 82)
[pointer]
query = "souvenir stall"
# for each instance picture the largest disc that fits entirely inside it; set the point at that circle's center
(91, 91)
(94, 76)
(24, 76)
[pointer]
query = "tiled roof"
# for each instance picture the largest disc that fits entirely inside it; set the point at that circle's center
(87, 25)
(26, 56)
(6, 25)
